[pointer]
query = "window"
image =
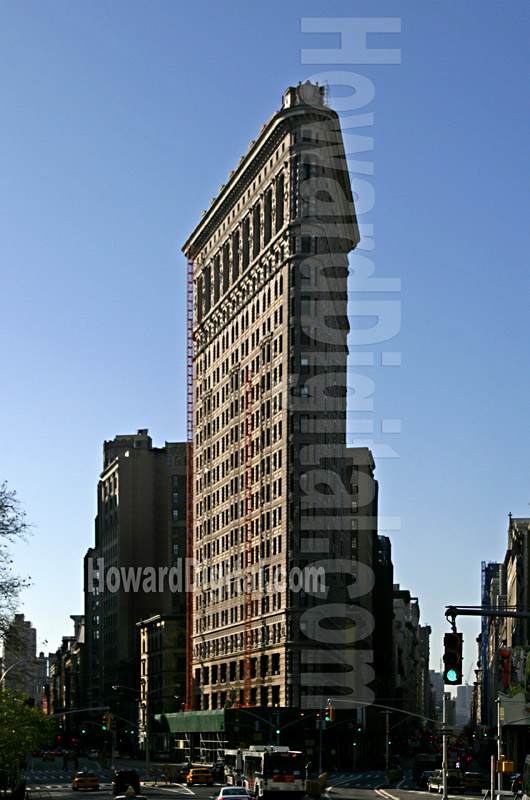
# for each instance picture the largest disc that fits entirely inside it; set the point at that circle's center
(226, 267)
(175, 514)
(256, 245)
(175, 497)
(279, 203)
(235, 258)
(175, 480)
(267, 222)
(246, 238)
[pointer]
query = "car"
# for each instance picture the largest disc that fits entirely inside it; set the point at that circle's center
(233, 792)
(455, 781)
(48, 755)
(218, 769)
(475, 780)
(93, 755)
(517, 783)
(122, 779)
(199, 775)
(85, 780)
(424, 777)
(183, 772)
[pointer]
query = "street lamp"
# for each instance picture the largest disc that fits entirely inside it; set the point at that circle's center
(145, 697)
(146, 721)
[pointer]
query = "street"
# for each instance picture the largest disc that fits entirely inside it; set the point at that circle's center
(48, 780)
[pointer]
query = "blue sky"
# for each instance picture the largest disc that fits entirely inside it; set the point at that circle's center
(121, 121)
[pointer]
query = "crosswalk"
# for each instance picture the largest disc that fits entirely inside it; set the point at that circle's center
(57, 778)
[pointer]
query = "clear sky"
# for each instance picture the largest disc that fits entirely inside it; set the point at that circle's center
(121, 120)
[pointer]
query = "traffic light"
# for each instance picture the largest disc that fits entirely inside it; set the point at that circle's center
(327, 714)
(331, 714)
(110, 721)
(452, 659)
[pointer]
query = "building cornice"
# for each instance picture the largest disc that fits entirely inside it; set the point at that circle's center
(249, 167)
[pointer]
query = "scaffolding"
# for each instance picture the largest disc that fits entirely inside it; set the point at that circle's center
(189, 484)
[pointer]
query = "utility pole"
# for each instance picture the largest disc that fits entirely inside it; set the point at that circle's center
(444, 751)
(112, 764)
(321, 719)
(387, 734)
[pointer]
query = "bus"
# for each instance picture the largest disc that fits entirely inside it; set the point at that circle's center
(266, 769)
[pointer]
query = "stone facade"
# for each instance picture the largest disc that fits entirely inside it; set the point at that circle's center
(270, 258)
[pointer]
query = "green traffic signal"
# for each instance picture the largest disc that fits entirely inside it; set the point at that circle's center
(452, 658)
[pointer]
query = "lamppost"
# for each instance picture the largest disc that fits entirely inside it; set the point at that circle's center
(144, 695)
(145, 720)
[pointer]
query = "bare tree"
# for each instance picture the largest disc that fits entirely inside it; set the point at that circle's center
(13, 527)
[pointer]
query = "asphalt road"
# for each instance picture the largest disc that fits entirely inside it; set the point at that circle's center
(47, 780)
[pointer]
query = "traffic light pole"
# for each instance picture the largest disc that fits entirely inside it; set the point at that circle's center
(499, 745)
(451, 612)
(387, 734)
(444, 751)
(321, 718)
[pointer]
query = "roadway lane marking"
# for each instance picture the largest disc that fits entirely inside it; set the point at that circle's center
(175, 788)
(386, 794)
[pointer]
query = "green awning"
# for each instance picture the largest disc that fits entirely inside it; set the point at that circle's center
(193, 721)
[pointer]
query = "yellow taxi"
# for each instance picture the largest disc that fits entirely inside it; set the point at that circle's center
(199, 775)
(85, 780)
